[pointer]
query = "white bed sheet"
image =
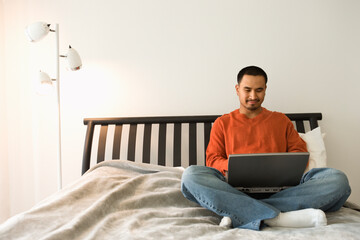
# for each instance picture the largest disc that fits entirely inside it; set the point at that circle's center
(127, 200)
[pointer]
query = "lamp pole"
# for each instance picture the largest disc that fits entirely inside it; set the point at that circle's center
(58, 103)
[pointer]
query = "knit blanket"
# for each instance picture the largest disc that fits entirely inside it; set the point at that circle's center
(127, 200)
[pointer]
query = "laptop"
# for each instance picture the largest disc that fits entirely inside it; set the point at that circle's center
(266, 172)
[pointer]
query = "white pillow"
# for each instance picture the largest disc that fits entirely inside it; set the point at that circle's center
(316, 147)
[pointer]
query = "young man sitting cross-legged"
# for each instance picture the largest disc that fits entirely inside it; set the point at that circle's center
(254, 129)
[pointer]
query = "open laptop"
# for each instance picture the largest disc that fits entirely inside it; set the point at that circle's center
(266, 172)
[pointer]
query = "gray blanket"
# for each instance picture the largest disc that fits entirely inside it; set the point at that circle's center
(127, 200)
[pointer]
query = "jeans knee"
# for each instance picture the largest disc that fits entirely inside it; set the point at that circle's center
(340, 188)
(342, 181)
(189, 173)
(192, 169)
(200, 174)
(336, 178)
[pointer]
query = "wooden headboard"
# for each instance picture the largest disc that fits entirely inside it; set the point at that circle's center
(159, 134)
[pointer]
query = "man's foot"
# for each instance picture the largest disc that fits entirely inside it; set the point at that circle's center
(225, 222)
(299, 219)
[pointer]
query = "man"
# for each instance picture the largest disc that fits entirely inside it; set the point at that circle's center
(254, 129)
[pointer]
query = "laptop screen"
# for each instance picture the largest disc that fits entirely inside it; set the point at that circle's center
(266, 169)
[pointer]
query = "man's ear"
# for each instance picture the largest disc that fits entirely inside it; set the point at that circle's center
(237, 88)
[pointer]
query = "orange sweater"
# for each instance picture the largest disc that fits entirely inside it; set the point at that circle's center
(234, 133)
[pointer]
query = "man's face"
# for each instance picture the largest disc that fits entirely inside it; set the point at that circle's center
(251, 92)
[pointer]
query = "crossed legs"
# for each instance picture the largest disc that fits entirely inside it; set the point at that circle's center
(324, 188)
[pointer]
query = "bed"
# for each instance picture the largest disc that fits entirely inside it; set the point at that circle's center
(139, 197)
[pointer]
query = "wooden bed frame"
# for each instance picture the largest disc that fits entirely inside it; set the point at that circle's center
(192, 124)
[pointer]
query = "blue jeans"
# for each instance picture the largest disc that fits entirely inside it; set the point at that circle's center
(321, 188)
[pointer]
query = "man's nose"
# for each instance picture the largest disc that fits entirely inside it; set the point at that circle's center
(252, 95)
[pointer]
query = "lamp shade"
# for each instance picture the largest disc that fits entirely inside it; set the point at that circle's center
(37, 31)
(73, 59)
(44, 85)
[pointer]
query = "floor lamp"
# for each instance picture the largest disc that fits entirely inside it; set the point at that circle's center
(35, 32)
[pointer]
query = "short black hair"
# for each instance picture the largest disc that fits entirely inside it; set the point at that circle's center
(253, 71)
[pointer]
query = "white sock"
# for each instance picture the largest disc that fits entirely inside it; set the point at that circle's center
(299, 219)
(225, 222)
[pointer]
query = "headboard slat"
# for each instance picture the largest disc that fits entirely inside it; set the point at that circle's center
(132, 142)
(313, 123)
(192, 144)
(147, 141)
(207, 130)
(300, 126)
(177, 145)
(117, 141)
(102, 142)
(162, 144)
(87, 146)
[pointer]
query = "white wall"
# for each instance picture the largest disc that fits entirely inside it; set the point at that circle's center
(19, 155)
(164, 57)
(4, 176)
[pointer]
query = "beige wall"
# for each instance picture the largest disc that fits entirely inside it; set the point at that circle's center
(164, 57)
